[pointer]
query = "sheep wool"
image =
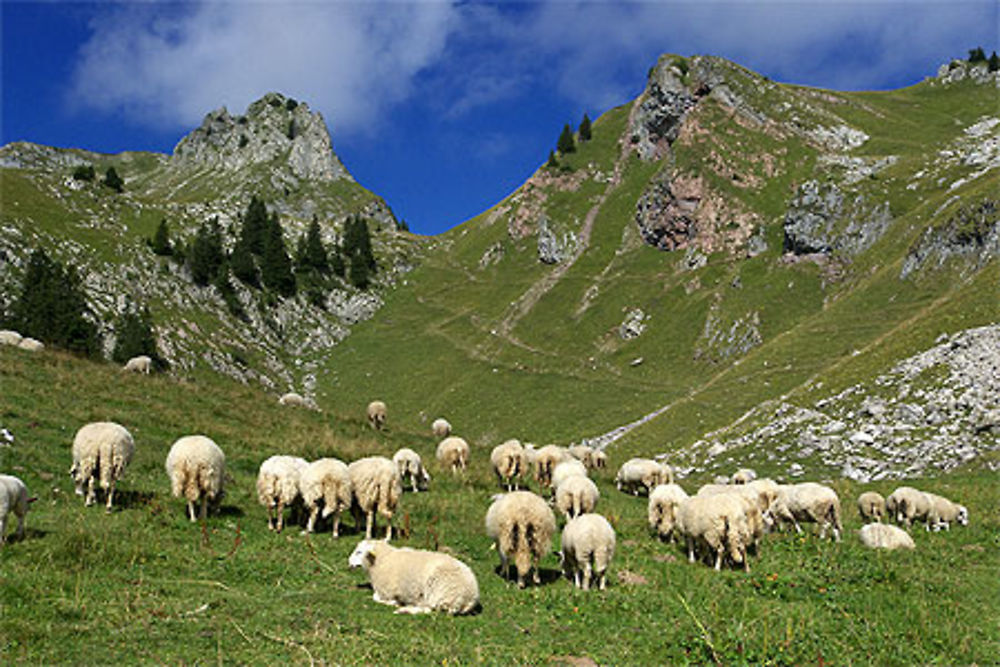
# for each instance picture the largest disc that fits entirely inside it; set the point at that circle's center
(409, 464)
(140, 364)
(599, 459)
(640, 476)
(521, 525)
(588, 545)
(576, 495)
(907, 505)
(441, 428)
(871, 506)
(809, 502)
(325, 481)
(31, 345)
(197, 470)
(744, 476)
(13, 498)
(546, 459)
(943, 513)
(101, 451)
(8, 337)
(715, 525)
(278, 487)
(415, 580)
(584, 454)
(885, 536)
(453, 452)
(509, 463)
(662, 509)
(377, 413)
(293, 399)
(568, 468)
(377, 487)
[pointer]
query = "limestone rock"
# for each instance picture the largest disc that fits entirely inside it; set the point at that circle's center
(822, 219)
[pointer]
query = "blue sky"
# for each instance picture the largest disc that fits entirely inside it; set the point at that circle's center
(442, 108)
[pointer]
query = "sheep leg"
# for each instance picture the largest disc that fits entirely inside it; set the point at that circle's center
(312, 519)
(388, 528)
(91, 493)
(190, 507)
(3, 530)
(280, 510)
(587, 572)
(718, 559)
(413, 610)
(336, 524)
(690, 546)
(111, 495)
(368, 524)
(413, 480)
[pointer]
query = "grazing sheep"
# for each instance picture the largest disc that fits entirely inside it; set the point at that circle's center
(197, 469)
(565, 470)
(325, 480)
(453, 452)
(278, 486)
(140, 364)
(101, 450)
(662, 510)
(8, 337)
(809, 502)
(417, 581)
(871, 506)
(509, 463)
(943, 512)
(531, 454)
(521, 525)
(547, 458)
(885, 536)
(907, 505)
(377, 488)
(588, 545)
(576, 495)
(715, 524)
(31, 345)
(766, 491)
(642, 476)
(599, 459)
(583, 453)
(441, 428)
(744, 476)
(408, 463)
(293, 399)
(13, 498)
(377, 415)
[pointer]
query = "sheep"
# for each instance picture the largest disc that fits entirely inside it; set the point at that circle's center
(417, 581)
(377, 415)
(293, 399)
(278, 487)
(31, 345)
(441, 428)
(599, 459)
(744, 476)
(197, 469)
(885, 536)
(546, 459)
(717, 523)
(509, 463)
(809, 502)
(943, 512)
(576, 495)
(408, 463)
(530, 454)
(521, 525)
(12, 338)
(327, 480)
(140, 364)
(588, 545)
(907, 505)
(565, 470)
(101, 450)
(642, 475)
(583, 453)
(453, 452)
(662, 510)
(13, 498)
(871, 506)
(377, 487)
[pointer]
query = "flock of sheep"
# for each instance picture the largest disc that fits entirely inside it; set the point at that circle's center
(722, 523)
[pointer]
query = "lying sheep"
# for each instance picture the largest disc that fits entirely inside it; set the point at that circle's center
(599, 459)
(197, 469)
(944, 512)
(278, 487)
(576, 495)
(325, 480)
(565, 470)
(293, 399)
(642, 476)
(546, 459)
(809, 502)
(744, 476)
(140, 364)
(715, 525)
(453, 452)
(13, 498)
(377, 487)
(521, 525)
(907, 505)
(662, 510)
(31, 345)
(871, 506)
(885, 536)
(8, 337)
(509, 463)
(408, 463)
(377, 415)
(588, 545)
(417, 581)
(101, 451)
(583, 453)
(441, 428)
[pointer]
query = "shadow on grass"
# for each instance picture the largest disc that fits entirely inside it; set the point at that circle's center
(546, 576)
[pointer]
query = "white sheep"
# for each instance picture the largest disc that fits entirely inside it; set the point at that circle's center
(944, 512)
(101, 451)
(377, 487)
(417, 581)
(13, 498)
(576, 495)
(885, 536)
(140, 364)
(408, 463)
(278, 486)
(662, 510)
(546, 459)
(509, 463)
(715, 524)
(565, 470)
(583, 453)
(599, 459)
(325, 480)
(907, 505)
(588, 545)
(31, 345)
(377, 415)
(441, 428)
(809, 502)
(8, 337)
(293, 399)
(871, 506)
(453, 452)
(744, 476)
(197, 470)
(642, 476)
(521, 525)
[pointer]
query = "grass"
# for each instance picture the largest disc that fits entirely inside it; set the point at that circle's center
(142, 584)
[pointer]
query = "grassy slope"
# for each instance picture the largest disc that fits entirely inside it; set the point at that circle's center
(143, 584)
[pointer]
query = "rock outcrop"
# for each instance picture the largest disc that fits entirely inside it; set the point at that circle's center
(821, 218)
(971, 235)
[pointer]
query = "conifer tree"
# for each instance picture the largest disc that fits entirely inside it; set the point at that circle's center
(134, 336)
(359, 272)
(977, 55)
(243, 265)
(994, 62)
(254, 226)
(206, 255)
(160, 242)
(113, 180)
(275, 264)
(312, 254)
(585, 130)
(566, 144)
(552, 162)
(84, 173)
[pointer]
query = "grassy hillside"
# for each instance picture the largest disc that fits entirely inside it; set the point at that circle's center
(142, 584)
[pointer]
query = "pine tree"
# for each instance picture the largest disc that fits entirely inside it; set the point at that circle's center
(337, 262)
(275, 264)
(359, 272)
(312, 254)
(160, 242)
(977, 55)
(134, 330)
(566, 144)
(254, 226)
(113, 180)
(552, 162)
(585, 130)
(994, 62)
(84, 173)
(206, 256)
(242, 263)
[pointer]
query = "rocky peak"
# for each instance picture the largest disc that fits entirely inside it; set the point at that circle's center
(274, 129)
